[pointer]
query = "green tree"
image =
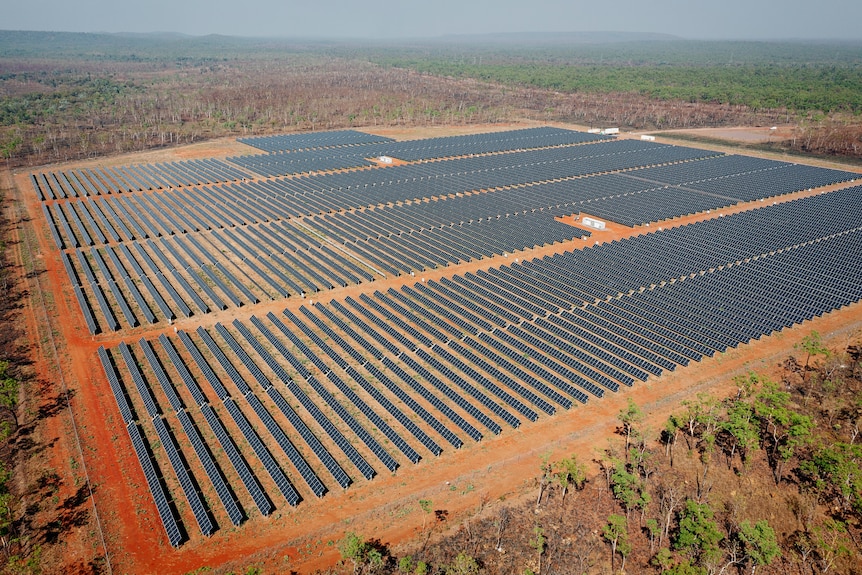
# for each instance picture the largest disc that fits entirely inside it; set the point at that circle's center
(355, 548)
(832, 542)
(630, 417)
(539, 543)
(684, 567)
(547, 470)
(838, 467)
(640, 456)
(426, 506)
(617, 534)
(29, 564)
(786, 429)
(628, 489)
(7, 525)
(698, 535)
(699, 417)
(405, 564)
(759, 543)
(798, 434)
(669, 434)
(9, 147)
(742, 430)
(653, 532)
(463, 565)
(811, 344)
(570, 472)
(663, 559)
(9, 390)
(375, 559)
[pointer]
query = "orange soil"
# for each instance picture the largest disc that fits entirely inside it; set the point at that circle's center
(461, 482)
(743, 134)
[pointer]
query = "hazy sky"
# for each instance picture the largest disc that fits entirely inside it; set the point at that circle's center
(828, 19)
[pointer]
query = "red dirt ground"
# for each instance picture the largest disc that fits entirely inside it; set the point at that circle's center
(462, 482)
(743, 134)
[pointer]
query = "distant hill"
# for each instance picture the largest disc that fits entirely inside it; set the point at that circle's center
(126, 45)
(557, 38)
(153, 35)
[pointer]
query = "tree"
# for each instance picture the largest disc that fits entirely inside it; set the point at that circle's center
(811, 344)
(405, 564)
(9, 389)
(630, 416)
(539, 543)
(427, 506)
(617, 534)
(759, 543)
(7, 524)
(547, 473)
(30, 564)
(640, 456)
(356, 549)
(786, 429)
(626, 487)
(698, 535)
(838, 467)
(832, 541)
(500, 524)
(653, 532)
(741, 430)
(699, 417)
(669, 435)
(799, 429)
(684, 567)
(671, 494)
(607, 460)
(570, 472)
(10, 146)
(375, 558)
(463, 565)
(663, 559)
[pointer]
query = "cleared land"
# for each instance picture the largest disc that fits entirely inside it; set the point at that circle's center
(458, 480)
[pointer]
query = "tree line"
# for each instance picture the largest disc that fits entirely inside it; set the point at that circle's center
(798, 88)
(141, 94)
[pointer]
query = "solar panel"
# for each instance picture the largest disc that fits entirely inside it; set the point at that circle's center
(116, 387)
(185, 479)
(213, 472)
(309, 405)
(435, 401)
(138, 379)
(263, 454)
(159, 493)
(471, 390)
(239, 464)
(203, 366)
(414, 406)
(161, 376)
(290, 450)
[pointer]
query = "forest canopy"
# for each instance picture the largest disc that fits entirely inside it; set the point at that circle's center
(66, 96)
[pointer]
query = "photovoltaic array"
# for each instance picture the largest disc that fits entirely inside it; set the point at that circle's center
(283, 407)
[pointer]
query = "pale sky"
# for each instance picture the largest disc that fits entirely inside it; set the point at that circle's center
(695, 19)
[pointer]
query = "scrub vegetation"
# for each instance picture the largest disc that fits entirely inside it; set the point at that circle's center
(66, 96)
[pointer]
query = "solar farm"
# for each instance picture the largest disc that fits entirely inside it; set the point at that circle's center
(304, 319)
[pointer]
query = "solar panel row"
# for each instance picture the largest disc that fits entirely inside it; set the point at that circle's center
(541, 332)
